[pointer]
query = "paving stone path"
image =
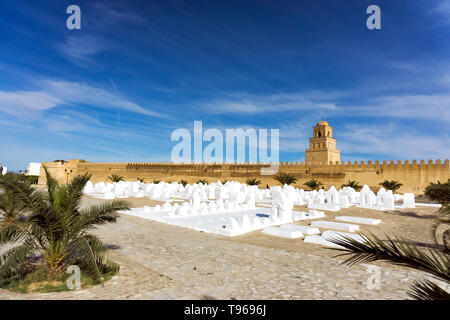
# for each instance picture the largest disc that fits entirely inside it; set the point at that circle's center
(160, 261)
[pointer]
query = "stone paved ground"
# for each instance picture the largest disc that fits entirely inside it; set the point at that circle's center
(160, 261)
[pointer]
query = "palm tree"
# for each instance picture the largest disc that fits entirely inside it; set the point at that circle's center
(313, 184)
(202, 181)
(285, 178)
(402, 253)
(155, 181)
(56, 231)
(391, 185)
(116, 178)
(440, 192)
(253, 182)
(11, 206)
(140, 180)
(183, 182)
(353, 184)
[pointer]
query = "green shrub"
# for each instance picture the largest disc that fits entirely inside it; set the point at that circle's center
(253, 181)
(313, 184)
(285, 178)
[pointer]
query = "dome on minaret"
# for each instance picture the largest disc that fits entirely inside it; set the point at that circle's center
(322, 123)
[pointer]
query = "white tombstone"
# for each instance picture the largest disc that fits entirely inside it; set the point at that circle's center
(166, 207)
(232, 225)
(388, 202)
(319, 199)
(88, 188)
(367, 197)
(344, 201)
(195, 200)
(281, 208)
(244, 223)
(332, 196)
(181, 211)
(408, 200)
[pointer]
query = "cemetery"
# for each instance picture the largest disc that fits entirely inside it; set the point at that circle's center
(234, 208)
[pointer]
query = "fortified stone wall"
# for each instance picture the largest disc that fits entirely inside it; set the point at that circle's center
(414, 176)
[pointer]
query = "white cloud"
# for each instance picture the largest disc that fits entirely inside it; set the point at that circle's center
(420, 106)
(20, 103)
(442, 9)
(435, 107)
(81, 49)
(397, 141)
(57, 93)
(270, 103)
(81, 93)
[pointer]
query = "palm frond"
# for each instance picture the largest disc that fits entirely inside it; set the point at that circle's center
(428, 290)
(101, 214)
(52, 184)
(253, 181)
(23, 190)
(399, 252)
(10, 205)
(439, 192)
(285, 178)
(313, 184)
(86, 257)
(70, 199)
(13, 233)
(14, 260)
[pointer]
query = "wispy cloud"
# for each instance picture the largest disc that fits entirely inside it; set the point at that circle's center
(392, 140)
(245, 103)
(339, 103)
(435, 107)
(81, 49)
(442, 9)
(55, 93)
(81, 93)
(109, 13)
(22, 103)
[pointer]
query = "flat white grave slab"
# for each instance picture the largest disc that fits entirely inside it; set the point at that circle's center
(321, 241)
(335, 225)
(358, 220)
(330, 234)
(307, 230)
(283, 232)
(435, 205)
(325, 206)
(312, 214)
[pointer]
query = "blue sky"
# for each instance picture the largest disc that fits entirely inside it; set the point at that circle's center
(137, 70)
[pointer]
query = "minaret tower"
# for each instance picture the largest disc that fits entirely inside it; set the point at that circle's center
(322, 146)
